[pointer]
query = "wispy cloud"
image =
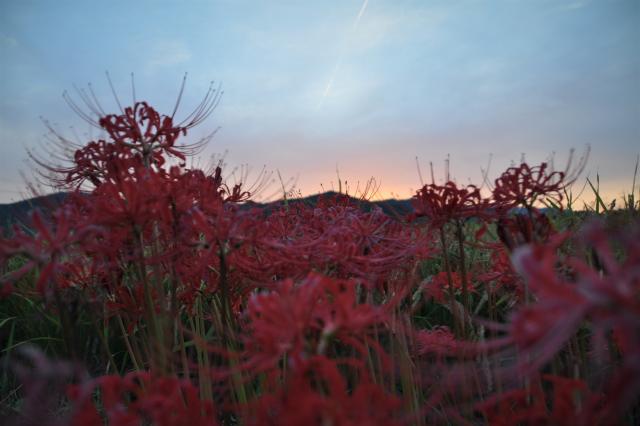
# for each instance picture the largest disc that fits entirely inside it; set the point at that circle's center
(577, 4)
(336, 68)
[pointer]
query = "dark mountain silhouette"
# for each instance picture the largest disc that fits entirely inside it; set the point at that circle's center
(393, 208)
(19, 212)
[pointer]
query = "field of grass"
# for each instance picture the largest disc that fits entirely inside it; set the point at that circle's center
(151, 296)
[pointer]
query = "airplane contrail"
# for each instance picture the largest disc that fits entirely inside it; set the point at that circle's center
(338, 65)
(362, 9)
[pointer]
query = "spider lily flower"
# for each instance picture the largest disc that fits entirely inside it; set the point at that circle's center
(298, 321)
(608, 299)
(524, 185)
(438, 287)
(140, 397)
(46, 247)
(561, 401)
(443, 203)
(518, 229)
(315, 393)
(439, 341)
(144, 130)
(340, 241)
(501, 275)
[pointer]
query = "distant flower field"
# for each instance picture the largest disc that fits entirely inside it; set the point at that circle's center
(152, 296)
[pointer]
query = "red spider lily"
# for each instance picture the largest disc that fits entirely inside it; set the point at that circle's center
(542, 328)
(152, 220)
(438, 287)
(343, 242)
(101, 161)
(519, 229)
(443, 203)
(524, 185)
(317, 394)
(140, 137)
(145, 131)
(300, 321)
(137, 398)
(439, 341)
(571, 403)
(573, 398)
(178, 213)
(501, 275)
(138, 134)
(609, 299)
(135, 202)
(46, 247)
(518, 406)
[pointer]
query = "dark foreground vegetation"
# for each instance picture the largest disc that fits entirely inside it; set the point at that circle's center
(155, 294)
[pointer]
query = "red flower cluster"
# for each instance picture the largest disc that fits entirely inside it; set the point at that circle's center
(524, 185)
(313, 314)
(443, 203)
(140, 398)
(299, 321)
(45, 247)
(438, 341)
(568, 292)
(438, 287)
(519, 229)
(149, 134)
(316, 393)
(335, 238)
(571, 403)
(295, 335)
(501, 277)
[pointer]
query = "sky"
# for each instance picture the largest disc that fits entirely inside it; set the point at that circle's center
(358, 89)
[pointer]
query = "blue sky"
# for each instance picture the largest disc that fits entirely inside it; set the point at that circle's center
(365, 86)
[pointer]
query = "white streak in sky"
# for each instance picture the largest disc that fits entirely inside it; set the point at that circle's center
(336, 69)
(362, 9)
